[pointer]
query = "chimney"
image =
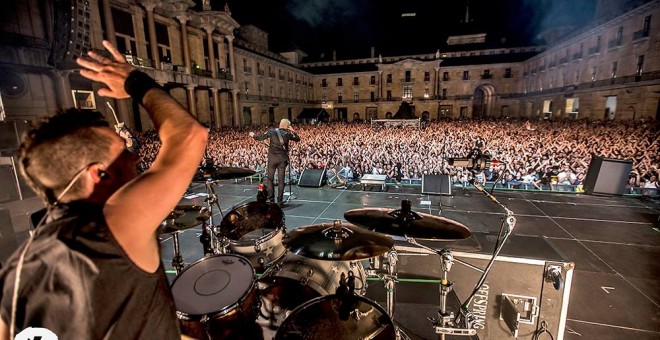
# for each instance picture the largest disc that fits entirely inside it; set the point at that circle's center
(334, 55)
(373, 52)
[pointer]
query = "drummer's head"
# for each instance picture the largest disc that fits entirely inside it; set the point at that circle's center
(285, 123)
(78, 150)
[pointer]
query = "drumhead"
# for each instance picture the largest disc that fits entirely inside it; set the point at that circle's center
(251, 221)
(332, 317)
(212, 284)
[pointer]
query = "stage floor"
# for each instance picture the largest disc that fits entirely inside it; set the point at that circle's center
(613, 241)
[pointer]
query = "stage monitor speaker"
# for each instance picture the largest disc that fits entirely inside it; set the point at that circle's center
(436, 184)
(7, 236)
(311, 178)
(607, 176)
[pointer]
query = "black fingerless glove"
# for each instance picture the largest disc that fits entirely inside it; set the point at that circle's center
(138, 83)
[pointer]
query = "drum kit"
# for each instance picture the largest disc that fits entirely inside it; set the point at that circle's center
(258, 281)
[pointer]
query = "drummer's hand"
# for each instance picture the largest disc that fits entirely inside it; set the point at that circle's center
(251, 134)
(112, 73)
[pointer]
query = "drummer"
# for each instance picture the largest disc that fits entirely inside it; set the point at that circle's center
(94, 270)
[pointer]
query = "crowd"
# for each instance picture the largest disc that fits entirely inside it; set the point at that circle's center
(541, 154)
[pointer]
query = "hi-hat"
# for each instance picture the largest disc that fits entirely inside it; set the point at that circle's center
(406, 223)
(184, 217)
(215, 173)
(336, 242)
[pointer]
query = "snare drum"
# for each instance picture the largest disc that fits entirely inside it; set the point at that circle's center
(297, 279)
(216, 296)
(338, 318)
(255, 230)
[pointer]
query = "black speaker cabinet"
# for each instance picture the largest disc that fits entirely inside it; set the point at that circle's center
(607, 176)
(436, 184)
(311, 178)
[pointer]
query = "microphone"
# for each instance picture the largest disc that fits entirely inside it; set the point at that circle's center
(475, 163)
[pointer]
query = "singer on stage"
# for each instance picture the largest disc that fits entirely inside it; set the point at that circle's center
(94, 269)
(278, 156)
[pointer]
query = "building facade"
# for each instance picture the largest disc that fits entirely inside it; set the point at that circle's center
(225, 74)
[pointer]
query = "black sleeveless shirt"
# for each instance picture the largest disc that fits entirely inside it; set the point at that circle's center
(79, 283)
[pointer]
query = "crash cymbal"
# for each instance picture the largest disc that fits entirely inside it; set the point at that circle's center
(336, 242)
(404, 222)
(184, 217)
(217, 173)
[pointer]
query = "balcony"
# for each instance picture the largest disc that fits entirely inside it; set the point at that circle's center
(271, 75)
(508, 75)
(486, 76)
(261, 72)
(408, 80)
(643, 33)
(577, 55)
(202, 72)
(324, 84)
(247, 69)
(594, 50)
(356, 82)
(427, 78)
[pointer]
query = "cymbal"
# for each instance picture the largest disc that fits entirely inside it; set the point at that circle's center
(403, 222)
(336, 242)
(184, 217)
(217, 173)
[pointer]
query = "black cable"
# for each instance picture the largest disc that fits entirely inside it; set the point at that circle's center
(543, 329)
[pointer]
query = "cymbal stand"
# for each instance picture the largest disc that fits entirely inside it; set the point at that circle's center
(177, 260)
(446, 324)
(211, 200)
(390, 279)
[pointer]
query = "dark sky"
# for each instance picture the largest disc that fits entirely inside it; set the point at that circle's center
(351, 27)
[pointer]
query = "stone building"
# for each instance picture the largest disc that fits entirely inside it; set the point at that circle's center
(225, 74)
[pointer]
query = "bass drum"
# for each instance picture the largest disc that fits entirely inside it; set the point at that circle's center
(296, 280)
(338, 318)
(216, 297)
(255, 230)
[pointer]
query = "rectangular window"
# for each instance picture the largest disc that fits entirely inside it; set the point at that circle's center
(507, 72)
(324, 83)
(594, 69)
(464, 111)
(356, 81)
(486, 74)
(466, 75)
(324, 97)
(427, 76)
(426, 93)
(340, 98)
(407, 92)
(619, 36)
(389, 78)
(407, 76)
(340, 82)
(444, 93)
(356, 96)
(640, 65)
(615, 65)
(647, 26)
(445, 76)
(372, 96)
(389, 94)
(372, 80)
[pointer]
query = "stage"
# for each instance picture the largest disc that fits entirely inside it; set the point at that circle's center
(613, 241)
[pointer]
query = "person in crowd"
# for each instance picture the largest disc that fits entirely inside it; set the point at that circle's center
(93, 270)
(278, 156)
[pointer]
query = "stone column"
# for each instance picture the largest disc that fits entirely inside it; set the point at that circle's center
(209, 41)
(380, 85)
(436, 83)
(237, 114)
(221, 52)
(192, 103)
(232, 63)
(153, 43)
(109, 23)
(63, 88)
(183, 18)
(217, 116)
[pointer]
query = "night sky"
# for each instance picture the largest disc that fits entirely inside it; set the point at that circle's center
(351, 27)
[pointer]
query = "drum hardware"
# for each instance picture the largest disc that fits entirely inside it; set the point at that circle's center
(181, 218)
(254, 230)
(336, 242)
